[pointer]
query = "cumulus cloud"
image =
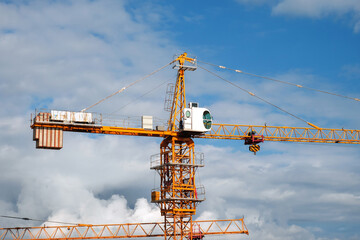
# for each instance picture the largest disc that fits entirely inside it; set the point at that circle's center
(275, 184)
(114, 210)
(315, 9)
(99, 57)
(53, 57)
(66, 199)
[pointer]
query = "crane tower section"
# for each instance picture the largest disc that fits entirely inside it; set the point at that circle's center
(179, 195)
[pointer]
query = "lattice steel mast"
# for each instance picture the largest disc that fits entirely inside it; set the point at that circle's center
(178, 194)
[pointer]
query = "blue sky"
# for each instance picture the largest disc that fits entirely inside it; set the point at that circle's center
(252, 37)
(70, 54)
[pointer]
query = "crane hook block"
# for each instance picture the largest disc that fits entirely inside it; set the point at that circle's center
(254, 148)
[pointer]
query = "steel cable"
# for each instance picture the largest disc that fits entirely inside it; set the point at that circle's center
(37, 220)
(153, 89)
(284, 82)
(131, 84)
(252, 94)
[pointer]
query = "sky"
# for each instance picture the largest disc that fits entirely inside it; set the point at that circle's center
(67, 55)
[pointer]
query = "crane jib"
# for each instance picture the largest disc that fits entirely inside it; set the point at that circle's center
(48, 133)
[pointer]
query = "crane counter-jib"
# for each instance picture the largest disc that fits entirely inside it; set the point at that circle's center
(49, 126)
(103, 129)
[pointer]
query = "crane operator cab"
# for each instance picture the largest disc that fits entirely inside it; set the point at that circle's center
(195, 119)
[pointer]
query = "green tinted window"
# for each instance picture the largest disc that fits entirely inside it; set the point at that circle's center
(207, 119)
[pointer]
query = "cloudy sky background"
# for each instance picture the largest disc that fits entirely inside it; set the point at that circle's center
(69, 54)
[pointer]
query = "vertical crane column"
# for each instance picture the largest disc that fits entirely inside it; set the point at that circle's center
(178, 194)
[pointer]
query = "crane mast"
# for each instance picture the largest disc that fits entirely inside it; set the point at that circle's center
(178, 195)
(179, 97)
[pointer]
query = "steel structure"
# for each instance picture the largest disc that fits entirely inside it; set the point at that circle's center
(222, 131)
(178, 195)
(288, 134)
(128, 230)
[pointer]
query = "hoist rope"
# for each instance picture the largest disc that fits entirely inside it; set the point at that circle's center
(37, 220)
(280, 81)
(262, 99)
(131, 84)
(125, 105)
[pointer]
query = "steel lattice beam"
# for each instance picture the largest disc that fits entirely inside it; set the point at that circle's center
(110, 231)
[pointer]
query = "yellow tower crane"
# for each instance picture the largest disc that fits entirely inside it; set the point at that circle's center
(178, 195)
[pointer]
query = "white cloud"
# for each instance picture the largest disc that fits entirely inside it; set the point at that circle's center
(90, 58)
(52, 56)
(341, 198)
(66, 199)
(272, 190)
(255, 2)
(315, 9)
(110, 211)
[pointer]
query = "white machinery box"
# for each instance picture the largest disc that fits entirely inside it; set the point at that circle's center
(66, 116)
(196, 119)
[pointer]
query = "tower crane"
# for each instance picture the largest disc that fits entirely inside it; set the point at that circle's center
(177, 163)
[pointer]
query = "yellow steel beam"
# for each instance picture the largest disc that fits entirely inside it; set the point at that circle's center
(179, 98)
(88, 128)
(128, 230)
(289, 134)
(227, 131)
